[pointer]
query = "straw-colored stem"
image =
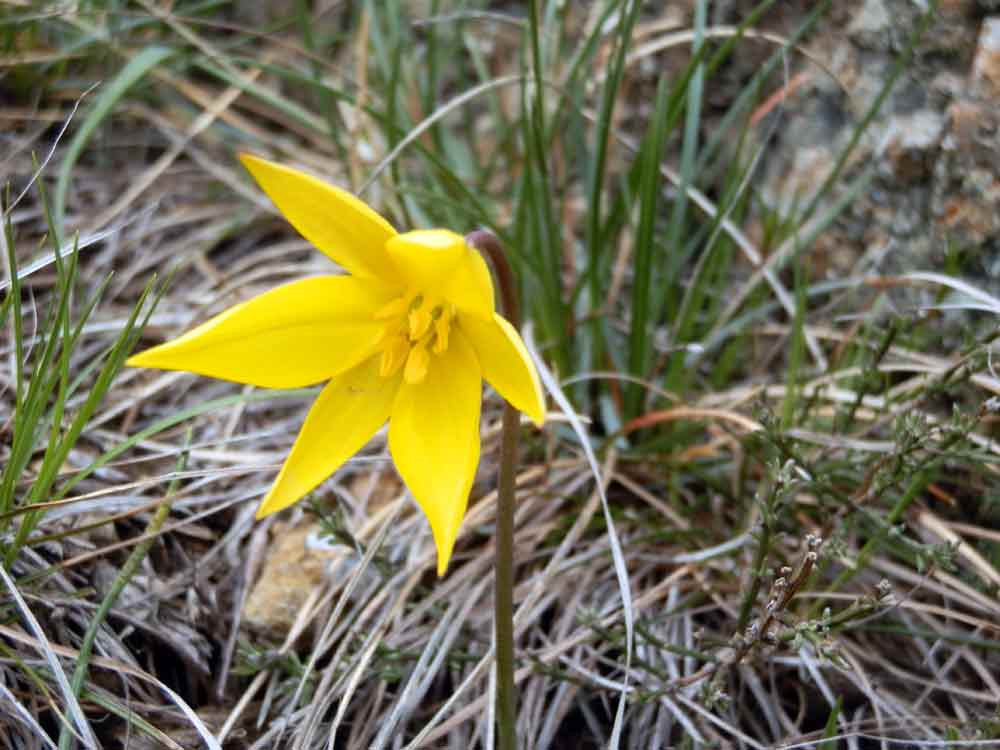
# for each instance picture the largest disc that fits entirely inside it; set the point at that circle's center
(504, 596)
(506, 708)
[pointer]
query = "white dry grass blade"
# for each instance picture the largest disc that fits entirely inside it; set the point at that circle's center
(767, 703)
(682, 718)
(429, 663)
(258, 681)
(902, 741)
(616, 548)
(142, 182)
(115, 666)
(356, 577)
(983, 300)
(439, 113)
(710, 552)
(86, 734)
(76, 245)
(806, 659)
(723, 725)
(687, 36)
(592, 676)
(977, 564)
(189, 714)
(368, 649)
(474, 675)
(26, 716)
(491, 712)
(52, 150)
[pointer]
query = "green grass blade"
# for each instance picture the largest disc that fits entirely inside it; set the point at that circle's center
(129, 76)
(538, 195)
(641, 331)
(689, 150)
(596, 175)
(830, 730)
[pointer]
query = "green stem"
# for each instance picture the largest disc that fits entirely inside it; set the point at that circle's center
(506, 708)
(756, 573)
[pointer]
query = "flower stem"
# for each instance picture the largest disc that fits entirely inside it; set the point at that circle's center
(506, 709)
(504, 596)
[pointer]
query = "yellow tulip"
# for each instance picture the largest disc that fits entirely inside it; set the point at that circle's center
(407, 337)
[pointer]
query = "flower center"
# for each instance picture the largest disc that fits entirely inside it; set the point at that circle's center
(414, 327)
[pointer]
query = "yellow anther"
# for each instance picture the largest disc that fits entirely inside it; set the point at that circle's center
(416, 365)
(442, 327)
(414, 329)
(420, 322)
(393, 356)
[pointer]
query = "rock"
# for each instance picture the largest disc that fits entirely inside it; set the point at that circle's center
(968, 218)
(909, 143)
(986, 64)
(933, 143)
(297, 562)
(956, 9)
(964, 117)
(966, 205)
(376, 490)
(810, 166)
(872, 18)
(948, 85)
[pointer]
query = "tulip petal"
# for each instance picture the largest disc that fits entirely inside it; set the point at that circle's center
(349, 410)
(434, 440)
(295, 335)
(470, 286)
(338, 224)
(441, 263)
(506, 364)
(425, 257)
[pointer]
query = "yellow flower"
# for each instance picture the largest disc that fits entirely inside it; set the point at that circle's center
(407, 337)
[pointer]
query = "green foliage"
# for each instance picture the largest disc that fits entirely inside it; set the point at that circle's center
(43, 428)
(457, 157)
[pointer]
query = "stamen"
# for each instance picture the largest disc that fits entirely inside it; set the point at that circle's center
(414, 328)
(416, 365)
(393, 356)
(442, 327)
(420, 323)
